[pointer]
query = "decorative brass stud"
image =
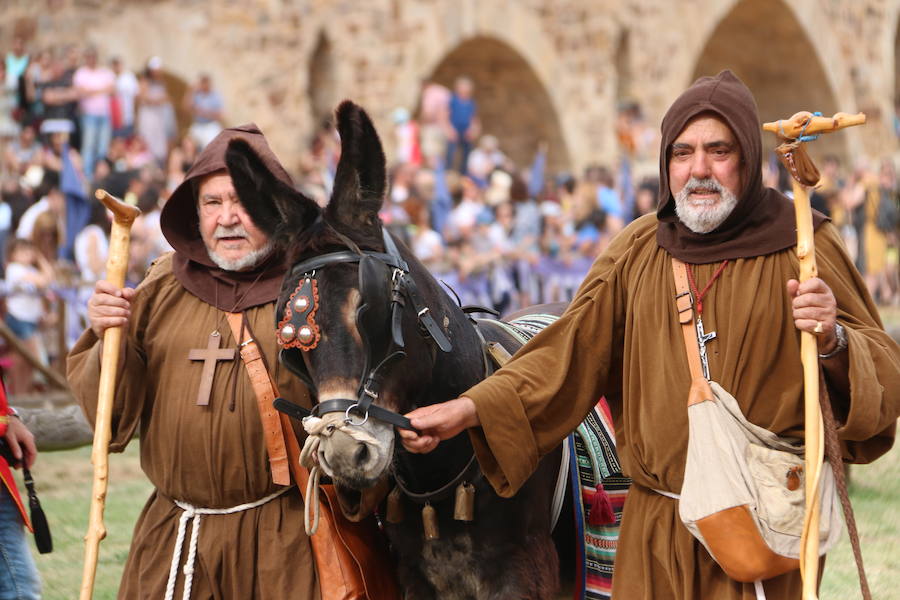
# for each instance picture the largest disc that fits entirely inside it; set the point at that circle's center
(288, 332)
(306, 334)
(301, 304)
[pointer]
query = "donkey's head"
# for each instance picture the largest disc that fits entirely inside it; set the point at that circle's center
(351, 320)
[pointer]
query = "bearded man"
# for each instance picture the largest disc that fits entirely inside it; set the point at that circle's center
(621, 338)
(216, 522)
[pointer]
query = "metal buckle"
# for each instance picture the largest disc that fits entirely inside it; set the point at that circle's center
(349, 420)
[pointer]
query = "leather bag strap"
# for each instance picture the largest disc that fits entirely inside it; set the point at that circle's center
(684, 306)
(264, 389)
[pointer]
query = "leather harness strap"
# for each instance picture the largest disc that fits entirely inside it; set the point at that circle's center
(264, 388)
(684, 304)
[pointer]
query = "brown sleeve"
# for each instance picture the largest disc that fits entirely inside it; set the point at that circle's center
(529, 406)
(83, 373)
(83, 365)
(868, 410)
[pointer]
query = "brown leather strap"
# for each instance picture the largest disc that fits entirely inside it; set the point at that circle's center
(264, 388)
(833, 452)
(684, 305)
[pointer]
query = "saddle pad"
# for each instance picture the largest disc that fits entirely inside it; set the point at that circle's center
(592, 460)
(595, 461)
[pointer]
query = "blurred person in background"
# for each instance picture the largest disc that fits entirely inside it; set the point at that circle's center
(8, 104)
(28, 275)
(205, 106)
(58, 96)
(33, 80)
(156, 117)
(881, 235)
(127, 89)
(180, 160)
(18, 575)
(15, 63)
(609, 201)
(22, 152)
(51, 199)
(464, 124)
(646, 196)
(95, 85)
(484, 159)
(406, 137)
(434, 121)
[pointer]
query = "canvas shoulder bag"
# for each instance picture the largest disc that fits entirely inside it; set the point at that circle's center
(743, 492)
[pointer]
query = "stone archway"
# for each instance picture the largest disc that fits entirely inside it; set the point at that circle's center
(512, 102)
(322, 81)
(777, 61)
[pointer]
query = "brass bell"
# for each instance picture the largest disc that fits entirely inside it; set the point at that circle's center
(306, 334)
(429, 523)
(301, 304)
(464, 507)
(394, 513)
(288, 332)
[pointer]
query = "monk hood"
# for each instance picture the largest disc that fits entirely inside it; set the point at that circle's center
(763, 220)
(231, 291)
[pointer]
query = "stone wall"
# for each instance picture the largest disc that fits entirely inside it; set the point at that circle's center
(551, 70)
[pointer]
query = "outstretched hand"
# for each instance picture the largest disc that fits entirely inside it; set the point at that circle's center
(815, 310)
(438, 422)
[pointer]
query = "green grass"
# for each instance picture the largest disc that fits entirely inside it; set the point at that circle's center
(64, 484)
(874, 490)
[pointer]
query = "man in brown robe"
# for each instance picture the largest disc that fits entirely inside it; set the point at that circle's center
(621, 338)
(209, 456)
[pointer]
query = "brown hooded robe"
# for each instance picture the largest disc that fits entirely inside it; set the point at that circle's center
(208, 456)
(621, 338)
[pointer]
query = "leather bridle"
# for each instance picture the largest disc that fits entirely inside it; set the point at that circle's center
(297, 328)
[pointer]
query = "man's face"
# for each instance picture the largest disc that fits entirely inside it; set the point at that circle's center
(705, 173)
(232, 239)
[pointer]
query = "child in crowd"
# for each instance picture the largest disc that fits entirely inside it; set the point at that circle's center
(28, 274)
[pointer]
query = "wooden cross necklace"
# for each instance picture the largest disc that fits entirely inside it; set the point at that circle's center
(212, 354)
(702, 336)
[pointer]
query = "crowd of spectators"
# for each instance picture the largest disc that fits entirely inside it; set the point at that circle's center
(500, 235)
(72, 121)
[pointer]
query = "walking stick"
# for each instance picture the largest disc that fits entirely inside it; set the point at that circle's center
(116, 265)
(800, 128)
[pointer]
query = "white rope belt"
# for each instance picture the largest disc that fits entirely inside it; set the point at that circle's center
(194, 514)
(672, 495)
(757, 585)
(318, 428)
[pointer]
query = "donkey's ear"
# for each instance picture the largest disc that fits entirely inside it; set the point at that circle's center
(360, 180)
(275, 207)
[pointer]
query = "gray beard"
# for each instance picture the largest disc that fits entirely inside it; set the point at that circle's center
(249, 260)
(703, 219)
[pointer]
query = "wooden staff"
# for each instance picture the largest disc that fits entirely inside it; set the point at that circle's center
(116, 266)
(803, 124)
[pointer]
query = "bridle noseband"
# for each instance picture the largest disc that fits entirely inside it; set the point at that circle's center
(298, 329)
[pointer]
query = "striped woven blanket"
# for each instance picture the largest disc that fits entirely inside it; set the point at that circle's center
(594, 471)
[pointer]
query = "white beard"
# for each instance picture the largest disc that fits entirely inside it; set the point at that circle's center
(703, 216)
(249, 260)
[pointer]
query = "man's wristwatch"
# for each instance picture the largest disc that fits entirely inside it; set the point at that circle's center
(841, 336)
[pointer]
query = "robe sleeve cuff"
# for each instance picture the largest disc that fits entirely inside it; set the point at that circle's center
(866, 433)
(504, 444)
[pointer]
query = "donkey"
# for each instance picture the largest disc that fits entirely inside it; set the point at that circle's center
(372, 333)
